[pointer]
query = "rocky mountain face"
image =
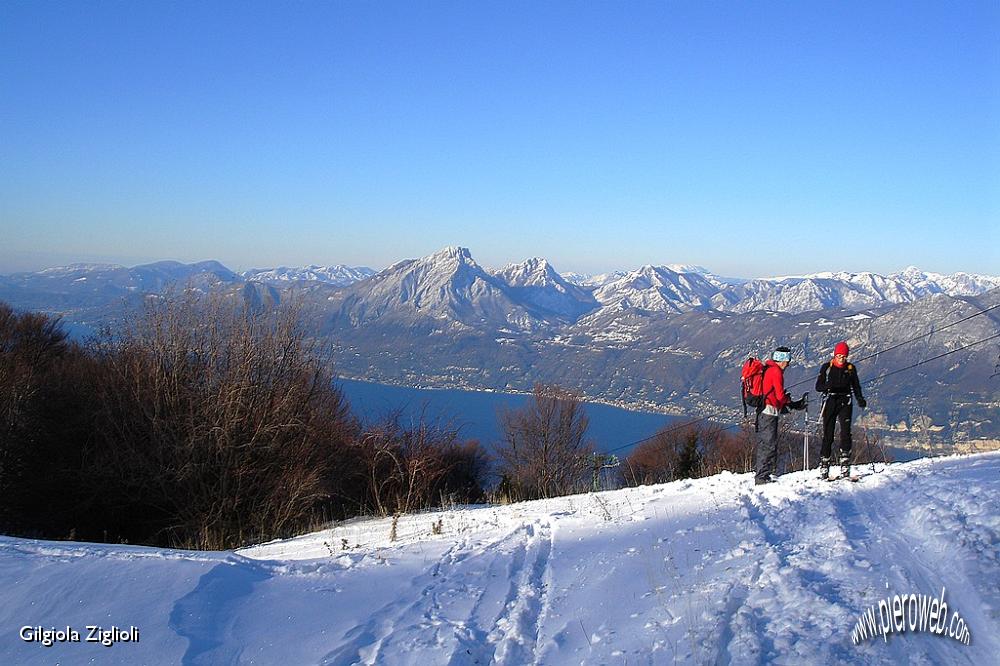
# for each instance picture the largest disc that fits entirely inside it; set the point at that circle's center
(655, 338)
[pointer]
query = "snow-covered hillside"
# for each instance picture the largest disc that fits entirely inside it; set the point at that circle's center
(705, 571)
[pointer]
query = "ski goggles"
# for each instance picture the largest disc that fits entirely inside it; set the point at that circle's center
(780, 356)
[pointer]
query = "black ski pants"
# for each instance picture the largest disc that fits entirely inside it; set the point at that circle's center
(767, 447)
(838, 408)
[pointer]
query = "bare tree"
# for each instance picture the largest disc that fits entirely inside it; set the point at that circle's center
(41, 416)
(29, 344)
(201, 422)
(728, 451)
(675, 452)
(218, 424)
(544, 449)
(418, 466)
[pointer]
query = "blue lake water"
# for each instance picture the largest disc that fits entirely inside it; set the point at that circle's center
(476, 412)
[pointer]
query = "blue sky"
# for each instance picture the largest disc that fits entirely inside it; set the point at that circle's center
(754, 138)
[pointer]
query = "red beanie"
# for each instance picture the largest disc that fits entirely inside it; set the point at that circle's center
(841, 348)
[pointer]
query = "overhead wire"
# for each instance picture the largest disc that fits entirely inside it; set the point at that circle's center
(933, 358)
(906, 342)
(689, 423)
(914, 339)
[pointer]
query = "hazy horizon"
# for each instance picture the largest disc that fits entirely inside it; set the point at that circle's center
(239, 268)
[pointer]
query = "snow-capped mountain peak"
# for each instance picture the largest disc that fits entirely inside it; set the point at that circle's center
(657, 288)
(845, 289)
(956, 284)
(533, 286)
(445, 288)
(452, 254)
(338, 275)
(536, 283)
(688, 268)
(77, 268)
(593, 280)
(531, 272)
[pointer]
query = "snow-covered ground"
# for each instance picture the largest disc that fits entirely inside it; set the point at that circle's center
(705, 571)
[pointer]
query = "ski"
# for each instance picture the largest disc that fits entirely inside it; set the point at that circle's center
(853, 478)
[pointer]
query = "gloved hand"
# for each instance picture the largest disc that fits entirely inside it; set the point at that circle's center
(798, 404)
(862, 403)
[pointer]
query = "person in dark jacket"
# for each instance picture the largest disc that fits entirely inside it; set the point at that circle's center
(838, 379)
(777, 401)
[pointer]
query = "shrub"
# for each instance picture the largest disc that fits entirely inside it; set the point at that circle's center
(725, 450)
(544, 448)
(218, 424)
(419, 467)
(683, 451)
(43, 412)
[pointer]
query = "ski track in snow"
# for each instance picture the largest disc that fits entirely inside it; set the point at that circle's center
(709, 571)
(480, 603)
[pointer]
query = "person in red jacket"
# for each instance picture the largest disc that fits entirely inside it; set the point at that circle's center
(838, 379)
(777, 401)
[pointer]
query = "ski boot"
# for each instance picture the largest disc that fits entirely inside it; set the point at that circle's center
(824, 468)
(845, 465)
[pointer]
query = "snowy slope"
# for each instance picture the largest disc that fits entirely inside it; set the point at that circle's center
(705, 571)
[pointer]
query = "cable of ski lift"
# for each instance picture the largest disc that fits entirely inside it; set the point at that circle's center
(898, 370)
(933, 358)
(919, 337)
(915, 339)
(688, 424)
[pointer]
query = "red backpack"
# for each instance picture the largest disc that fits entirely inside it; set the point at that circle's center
(752, 390)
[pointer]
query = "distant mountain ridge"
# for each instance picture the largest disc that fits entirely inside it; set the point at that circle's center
(538, 288)
(654, 338)
(664, 289)
(338, 275)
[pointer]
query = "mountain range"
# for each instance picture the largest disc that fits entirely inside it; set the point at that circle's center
(533, 285)
(338, 275)
(663, 337)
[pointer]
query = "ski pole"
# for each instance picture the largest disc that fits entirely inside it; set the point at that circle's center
(819, 419)
(805, 441)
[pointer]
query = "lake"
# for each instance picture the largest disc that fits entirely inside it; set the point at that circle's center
(476, 412)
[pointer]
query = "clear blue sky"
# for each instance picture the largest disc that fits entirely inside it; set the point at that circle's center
(754, 138)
